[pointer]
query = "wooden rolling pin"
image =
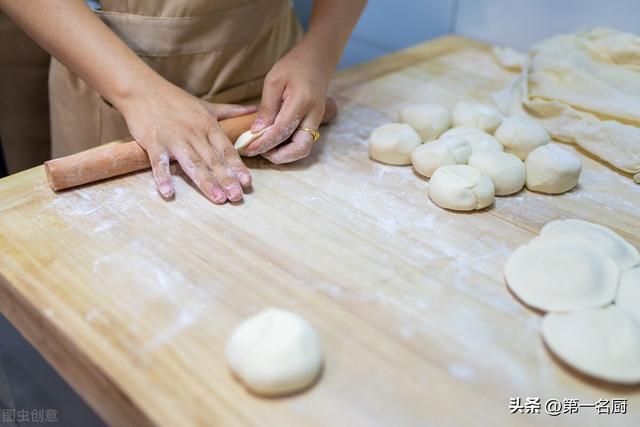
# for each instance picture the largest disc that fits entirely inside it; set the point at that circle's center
(122, 157)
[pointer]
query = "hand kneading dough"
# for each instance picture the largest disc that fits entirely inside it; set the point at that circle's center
(628, 297)
(430, 156)
(461, 188)
(520, 136)
(393, 143)
(476, 115)
(603, 343)
(478, 139)
(557, 275)
(595, 236)
(247, 138)
(552, 170)
(429, 120)
(275, 352)
(505, 170)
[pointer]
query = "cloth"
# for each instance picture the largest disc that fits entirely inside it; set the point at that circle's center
(24, 108)
(219, 51)
(585, 89)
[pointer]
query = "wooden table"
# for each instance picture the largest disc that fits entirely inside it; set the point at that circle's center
(132, 298)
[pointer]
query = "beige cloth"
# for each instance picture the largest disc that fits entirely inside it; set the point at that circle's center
(217, 50)
(585, 89)
(24, 109)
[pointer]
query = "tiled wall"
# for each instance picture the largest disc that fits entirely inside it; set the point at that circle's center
(389, 25)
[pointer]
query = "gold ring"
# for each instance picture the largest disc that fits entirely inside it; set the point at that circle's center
(314, 133)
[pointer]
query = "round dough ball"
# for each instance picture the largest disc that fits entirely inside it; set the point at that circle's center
(476, 115)
(429, 157)
(275, 352)
(628, 297)
(393, 143)
(247, 138)
(603, 343)
(597, 237)
(505, 170)
(478, 139)
(461, 188)
(552, 170)
(428, 120)
(557, 275)
(520, 136)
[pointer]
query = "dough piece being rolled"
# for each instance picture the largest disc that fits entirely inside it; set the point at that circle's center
(393, 143)
(461, 188)
(505, 170)
(476, 115)
(478, 139)
(628, 297)
(275, 352)
(247, 138)
(559, 275)
(552, 170)
(520, 136)
(430, 156)
(428, 120)
(594, 236)
(603, 343)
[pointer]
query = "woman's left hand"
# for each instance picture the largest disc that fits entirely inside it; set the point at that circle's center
(293, 97)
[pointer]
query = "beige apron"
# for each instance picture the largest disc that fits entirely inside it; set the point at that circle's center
(24, 109)
(218, 50)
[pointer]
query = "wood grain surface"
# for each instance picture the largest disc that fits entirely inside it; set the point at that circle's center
(132, 298)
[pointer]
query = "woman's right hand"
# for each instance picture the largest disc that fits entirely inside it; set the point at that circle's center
(169, 123)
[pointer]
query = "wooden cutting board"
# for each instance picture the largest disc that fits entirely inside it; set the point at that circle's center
(132, 298)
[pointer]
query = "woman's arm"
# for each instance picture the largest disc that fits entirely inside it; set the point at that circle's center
(296, 87)
(164, 119)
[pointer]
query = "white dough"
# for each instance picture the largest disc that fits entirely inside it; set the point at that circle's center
(430, 156)
(559, 275)
(520, 136)
(275, 352)
(628, 297)
(461, 188)
(594, 236)
(247, 138)
(603, 343)
(505, 170)
(552, 170)
(479, 140)
(428, 120)
(476, 115)
(393, 143)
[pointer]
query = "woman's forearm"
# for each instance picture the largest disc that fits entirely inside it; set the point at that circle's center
(73, 34)
(331, 24)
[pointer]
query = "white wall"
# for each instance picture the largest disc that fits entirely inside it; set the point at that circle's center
(520, 23)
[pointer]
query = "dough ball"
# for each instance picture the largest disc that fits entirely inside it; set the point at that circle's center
(628, 297)
(558, 275)
(247, 138)
(478, 139)
(430, 156)
(603, 343)
(597, 237)
(505, 170)
(428, 120)
(520, 136)
(476, 115)
(275, 352)
(461, 188)
(393, 143)
(552, 170)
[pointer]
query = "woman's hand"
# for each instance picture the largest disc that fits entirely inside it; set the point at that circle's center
(293, 96)
(170, 123)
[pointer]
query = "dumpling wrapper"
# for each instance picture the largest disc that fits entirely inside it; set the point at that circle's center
(247, 138)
